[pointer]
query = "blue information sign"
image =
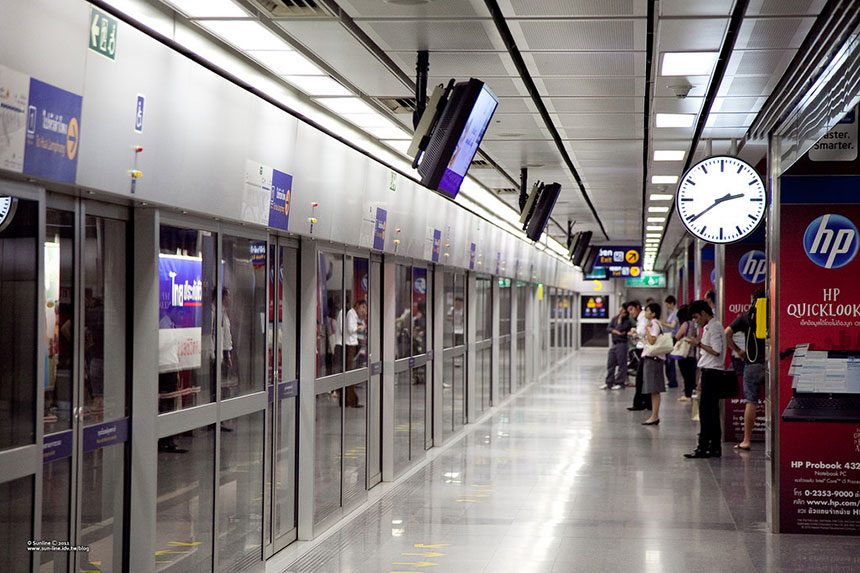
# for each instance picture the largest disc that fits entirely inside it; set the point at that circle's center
(53, 132)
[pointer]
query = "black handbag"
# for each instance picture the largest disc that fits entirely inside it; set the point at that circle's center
(727, 385)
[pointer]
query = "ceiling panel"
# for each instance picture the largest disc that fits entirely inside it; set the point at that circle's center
(334, 44)
(460, 65)
(591, 86)
(587, 35)
(759, 62)
(686, 35)
(596, 104)
(562, 8)
(745, 85)
(434, 9)
(586, 64)
(500, 86)
(431, 35)
(776, 33)
(515, 105)
(696, 7)
(677, 105)
(785, 7)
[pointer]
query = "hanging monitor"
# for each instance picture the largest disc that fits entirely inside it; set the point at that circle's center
(571, 246)
(530, 204)
(590, 259)
(456, 136)
(579, 251)
(542, 210)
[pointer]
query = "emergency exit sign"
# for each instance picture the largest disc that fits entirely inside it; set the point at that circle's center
(648, 280)
(102, 33)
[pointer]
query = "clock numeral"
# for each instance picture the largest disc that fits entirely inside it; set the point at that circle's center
(721, 233)
(741, 168)
(703, 229)
(753, 182)
(686, 198)
(705, 169)
(755, 199)
(722, 165)
(738, 227)
(691, 182)
(751, 217)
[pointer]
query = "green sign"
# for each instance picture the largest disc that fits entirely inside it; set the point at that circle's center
(648, 280)
(103, 30)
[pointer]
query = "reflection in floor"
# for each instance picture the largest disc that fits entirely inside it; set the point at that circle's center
(565, 479)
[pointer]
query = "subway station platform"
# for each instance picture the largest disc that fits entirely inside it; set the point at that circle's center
(564, 478)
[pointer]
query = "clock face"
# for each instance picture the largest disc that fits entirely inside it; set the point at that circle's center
(721, 199)
(7, 210)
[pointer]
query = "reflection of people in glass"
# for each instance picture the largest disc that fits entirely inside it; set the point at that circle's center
(332, 332)
(403, 330)
(354, 328)
(419, 328)
(455, 314)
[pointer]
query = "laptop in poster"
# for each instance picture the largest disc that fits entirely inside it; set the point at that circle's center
(825, 386)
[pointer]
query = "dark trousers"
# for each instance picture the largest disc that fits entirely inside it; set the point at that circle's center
(687, 366)
(671, 374)
(640, 400)
(616, 365)
(710, 432)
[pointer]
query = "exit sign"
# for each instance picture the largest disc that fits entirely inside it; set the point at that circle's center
(648, 280)
(102, 34)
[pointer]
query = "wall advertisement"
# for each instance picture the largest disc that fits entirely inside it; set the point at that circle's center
(180, 316)
(266, 198)
(819, 356)
(746, 268)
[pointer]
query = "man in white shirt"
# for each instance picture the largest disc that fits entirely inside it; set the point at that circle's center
(670, 324)
(712, 358)
(353, 331)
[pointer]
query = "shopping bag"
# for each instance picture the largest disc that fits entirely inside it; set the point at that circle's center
(680, 351)
(662, 346)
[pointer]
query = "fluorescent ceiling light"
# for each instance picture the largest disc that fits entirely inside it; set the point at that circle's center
(661, 197)
(245, 34)
(688, 63)
(654, 227)
(653, 209)
(387, 133)
(652, 235)
(664, 179)
(365, 120)
(345, 105)
(287, 63)
(318, 85)
(675, 119)
(669, 155)
(656, 219)
(208, 8)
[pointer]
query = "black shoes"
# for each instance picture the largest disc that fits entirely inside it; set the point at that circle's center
(700, 453)
(654, 423)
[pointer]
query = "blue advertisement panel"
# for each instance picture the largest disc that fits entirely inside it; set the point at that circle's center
(379, 229)
(180, 312)
(279, 207)
(437, 244)
(472, 248)
(105, 434)
(57, 446)
(53, 132)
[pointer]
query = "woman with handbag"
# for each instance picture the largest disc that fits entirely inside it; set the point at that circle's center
(684, 353)
(653, 381)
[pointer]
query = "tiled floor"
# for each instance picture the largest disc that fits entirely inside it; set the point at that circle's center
(566, 479)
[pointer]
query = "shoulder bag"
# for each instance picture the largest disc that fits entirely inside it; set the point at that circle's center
(661, 347)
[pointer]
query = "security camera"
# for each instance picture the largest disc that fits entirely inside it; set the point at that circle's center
(681, 91)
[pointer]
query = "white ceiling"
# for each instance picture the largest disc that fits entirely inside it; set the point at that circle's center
(588, 61)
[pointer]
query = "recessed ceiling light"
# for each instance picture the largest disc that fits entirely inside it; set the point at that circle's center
(401, 145)
(286, 63)
(688, 63)
(669, 155)
(388, 133)
(653, 209)
(407, 2)
(652, 235)
(246, 34)
(656, 219)
(664, 179)
(661, 197)
(318, 85)
(654, 228)
(675, 119)
(208, 8)
(344, 105)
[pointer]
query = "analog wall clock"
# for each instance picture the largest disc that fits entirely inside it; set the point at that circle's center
(721, 199)
(7, 210)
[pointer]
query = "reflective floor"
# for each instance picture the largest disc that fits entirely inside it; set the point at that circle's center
(565, 479)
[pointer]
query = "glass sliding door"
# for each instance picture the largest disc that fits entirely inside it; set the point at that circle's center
(454, 353)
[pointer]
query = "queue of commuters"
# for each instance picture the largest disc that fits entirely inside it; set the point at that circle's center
(699, 352)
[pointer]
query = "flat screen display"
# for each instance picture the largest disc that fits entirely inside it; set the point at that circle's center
(593, 306)
(470, 138)
(542, 210)
(596, 274)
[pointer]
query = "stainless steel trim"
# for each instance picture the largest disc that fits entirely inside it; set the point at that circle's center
(172, 423)
(242, 405)
(772, 375)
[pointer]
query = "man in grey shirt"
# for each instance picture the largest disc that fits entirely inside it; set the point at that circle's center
(616, 364)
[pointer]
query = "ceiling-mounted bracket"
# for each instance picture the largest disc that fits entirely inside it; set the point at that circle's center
(524, 180)
(422, 71)
(570, 225)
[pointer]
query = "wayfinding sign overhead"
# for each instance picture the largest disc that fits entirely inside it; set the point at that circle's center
(619, 261)
(647, 280)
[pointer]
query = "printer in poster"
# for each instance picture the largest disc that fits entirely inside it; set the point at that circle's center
(180, 317)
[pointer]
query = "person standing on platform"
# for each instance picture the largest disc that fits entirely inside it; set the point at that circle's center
(711, 299)
(753, 359)
(670, 324)
(616, 363)
(653, 382)
(640, 401)
(712, 356)
(687, 364)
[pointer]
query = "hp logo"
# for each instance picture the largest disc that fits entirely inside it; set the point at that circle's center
(753, 267)
(830, 241)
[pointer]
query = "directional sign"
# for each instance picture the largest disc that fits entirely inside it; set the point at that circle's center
(102, 34)
(647, 280)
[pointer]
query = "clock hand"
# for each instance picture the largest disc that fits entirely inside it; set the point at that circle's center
(726, 197)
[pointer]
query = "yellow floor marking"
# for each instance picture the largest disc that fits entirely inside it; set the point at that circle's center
(161, 552)
(184, 543)
(468, 500)
(416, 563)
(430, 546)
(426, 554)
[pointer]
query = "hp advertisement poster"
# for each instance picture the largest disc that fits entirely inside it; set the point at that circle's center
(818, 413)
(180, 317)
(266, 196)
(746, 269)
